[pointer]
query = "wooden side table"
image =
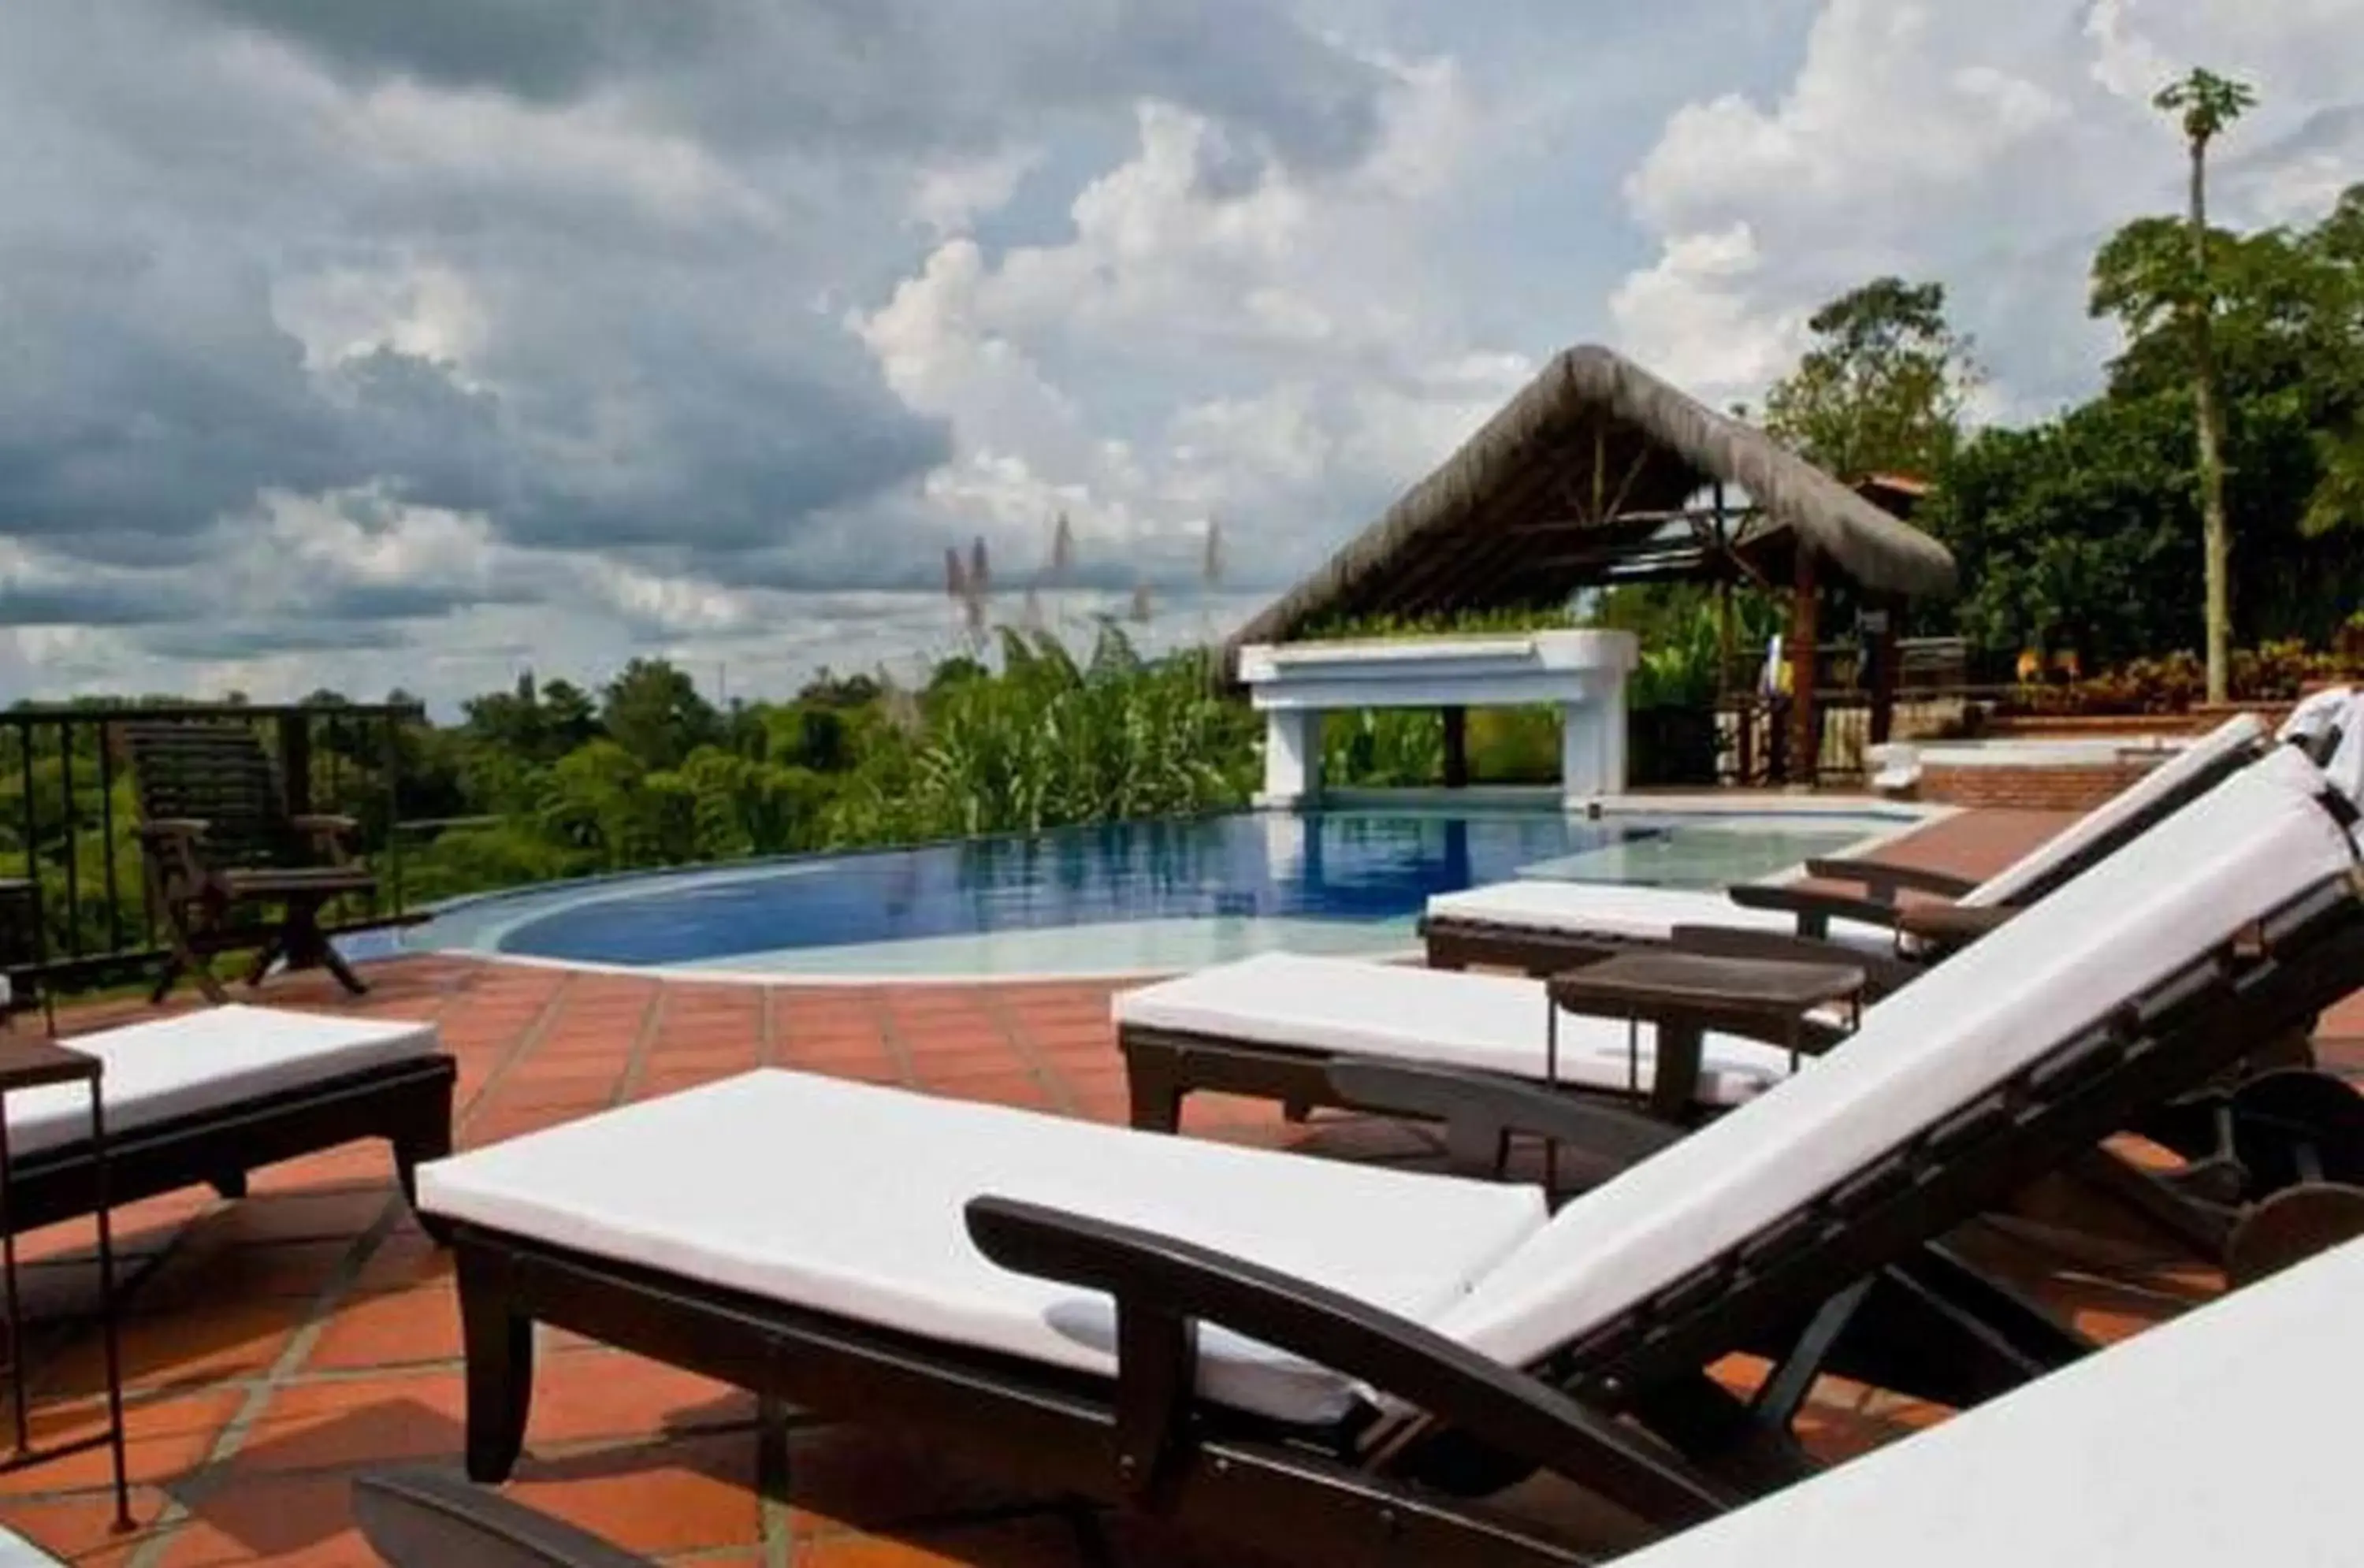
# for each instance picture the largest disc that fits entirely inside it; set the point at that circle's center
(33, 1065)
(1686, 994)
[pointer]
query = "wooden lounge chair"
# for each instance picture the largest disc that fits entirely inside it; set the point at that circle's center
(1268, 1348)
(1309, 1030)
(205, 1098)
(2241, 1405)
(1545, 928)
(2317, 722)
(219, 840)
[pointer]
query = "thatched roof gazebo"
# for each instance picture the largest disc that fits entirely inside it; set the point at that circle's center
(1589, 476)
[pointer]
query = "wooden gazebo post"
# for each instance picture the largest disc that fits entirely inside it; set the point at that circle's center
(1888, 609)
(1805, 756)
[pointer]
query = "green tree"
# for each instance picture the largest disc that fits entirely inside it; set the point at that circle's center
(2338, 499)
(1883, 386)
(2286, 335)
(654, 712)
(2206, 105)
(2075, 533)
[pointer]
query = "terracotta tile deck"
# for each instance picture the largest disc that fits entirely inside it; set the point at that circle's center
(278, 1344)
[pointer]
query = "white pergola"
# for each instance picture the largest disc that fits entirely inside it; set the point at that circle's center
(1583, 674)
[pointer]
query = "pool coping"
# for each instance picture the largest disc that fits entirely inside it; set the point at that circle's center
(1909, 817)
(837, 980)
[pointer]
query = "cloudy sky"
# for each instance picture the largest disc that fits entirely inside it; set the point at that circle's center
(365, 344)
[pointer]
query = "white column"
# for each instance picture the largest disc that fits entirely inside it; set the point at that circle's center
(1592, 744)
(1284, 846)
(1612, 708)
(1292, 756)
(1579, 752)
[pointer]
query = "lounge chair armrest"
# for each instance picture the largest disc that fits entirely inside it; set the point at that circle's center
(1814, 908)
(330, 835)
(322, 822)
(1480, 1111)
(1949, 926)
(1164, 1288)
(1882, 973)
(428, 1519)
(1883, 880)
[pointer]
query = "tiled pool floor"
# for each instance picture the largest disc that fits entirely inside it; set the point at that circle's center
(278, 1345)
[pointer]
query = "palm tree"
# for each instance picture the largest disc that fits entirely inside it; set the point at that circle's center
(2207, 105)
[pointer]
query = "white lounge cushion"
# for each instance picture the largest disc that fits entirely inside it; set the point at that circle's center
(2158, 905)
(16, 1551)
(1629, 913)
(205, 1060)
(847, 1198)
(2345, 767)
(2229, 738)
(1651, 913)
(2220, 1438)
(1491, 1022)
(2316, 713)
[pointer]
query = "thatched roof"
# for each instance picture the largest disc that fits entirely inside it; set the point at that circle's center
(1583, 478)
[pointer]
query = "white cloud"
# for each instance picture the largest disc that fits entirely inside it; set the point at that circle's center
(1303, 366)
(947, 198)
(764, 305)
(1990, 147)
(1691, 316)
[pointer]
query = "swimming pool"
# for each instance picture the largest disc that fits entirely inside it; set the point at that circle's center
(1122, 897)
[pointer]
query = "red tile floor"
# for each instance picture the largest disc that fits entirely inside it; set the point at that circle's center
(277, 1345)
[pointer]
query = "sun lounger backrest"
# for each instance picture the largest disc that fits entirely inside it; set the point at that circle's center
(2345, 767)
(2192, 770)
(217, 772)
(1923, 1056)
(2316, 713)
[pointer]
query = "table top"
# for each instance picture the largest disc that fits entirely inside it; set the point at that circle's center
(1650, 978)
(29, 1062)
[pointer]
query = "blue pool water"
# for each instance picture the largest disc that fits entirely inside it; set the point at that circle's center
(1115, 897)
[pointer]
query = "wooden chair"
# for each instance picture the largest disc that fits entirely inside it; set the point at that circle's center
(218, 839)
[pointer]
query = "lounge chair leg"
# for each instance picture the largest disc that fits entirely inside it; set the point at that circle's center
(334, 962)
(2202, 1227)
(2296, 1126)
(307, 947)
(1157, 1099)
(426, 1135)
(1714, 1428)
(184, 959)
(260, 967)
(409, 1153)
(208, 983)
(1936, 1328)
(2291, 1226)
(500, 1374)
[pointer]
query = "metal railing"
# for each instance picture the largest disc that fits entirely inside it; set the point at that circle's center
(70, 847)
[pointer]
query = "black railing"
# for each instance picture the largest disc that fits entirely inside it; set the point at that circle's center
(71, 838)
(1754, 739)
